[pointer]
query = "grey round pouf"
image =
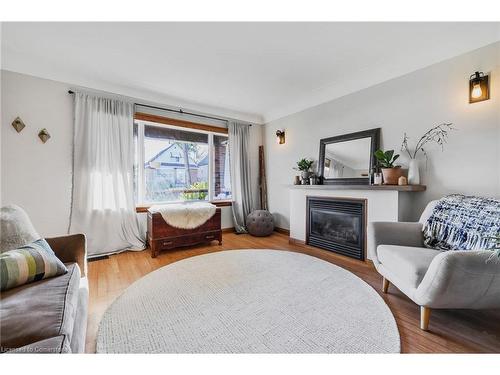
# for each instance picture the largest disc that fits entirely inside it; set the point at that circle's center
(260, 223)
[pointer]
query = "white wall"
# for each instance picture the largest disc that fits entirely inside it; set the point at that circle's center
(38, 176)
(413, 103)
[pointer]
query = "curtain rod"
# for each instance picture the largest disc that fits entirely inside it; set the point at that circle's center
(175, 110)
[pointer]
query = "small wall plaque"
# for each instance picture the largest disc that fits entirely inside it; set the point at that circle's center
(44, 135)
(18, 124)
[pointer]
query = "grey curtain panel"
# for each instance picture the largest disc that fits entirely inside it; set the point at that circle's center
(241, 186)
(103, 206)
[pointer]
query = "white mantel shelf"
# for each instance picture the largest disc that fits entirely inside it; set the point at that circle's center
(408, 188)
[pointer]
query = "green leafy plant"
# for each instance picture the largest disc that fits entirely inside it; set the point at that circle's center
(199, 191)
(304, 165)
(386, 159)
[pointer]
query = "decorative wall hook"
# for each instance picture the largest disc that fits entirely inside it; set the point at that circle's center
(44, 135)
(18, 124)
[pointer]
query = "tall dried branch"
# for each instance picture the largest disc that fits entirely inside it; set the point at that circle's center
(437, 134)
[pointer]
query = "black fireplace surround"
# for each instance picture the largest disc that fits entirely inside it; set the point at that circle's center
(337, 225)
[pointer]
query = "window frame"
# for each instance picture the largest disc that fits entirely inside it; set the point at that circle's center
(141, 119)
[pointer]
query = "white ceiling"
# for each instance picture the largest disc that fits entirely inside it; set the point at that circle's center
(252, 71)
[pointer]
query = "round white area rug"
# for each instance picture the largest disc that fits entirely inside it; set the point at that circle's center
(249, 301)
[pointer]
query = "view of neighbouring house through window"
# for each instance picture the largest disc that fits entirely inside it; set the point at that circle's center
(181, 165)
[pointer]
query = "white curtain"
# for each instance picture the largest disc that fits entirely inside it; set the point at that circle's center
(103, 175)
(241, 186)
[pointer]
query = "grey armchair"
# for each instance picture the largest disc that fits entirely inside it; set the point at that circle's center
(433, 279)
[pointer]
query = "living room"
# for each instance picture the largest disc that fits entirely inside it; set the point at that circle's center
(250, 187)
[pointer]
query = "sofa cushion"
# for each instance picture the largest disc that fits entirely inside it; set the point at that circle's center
(40, 310)
(409, 264)
(80, 327)
(54, 345)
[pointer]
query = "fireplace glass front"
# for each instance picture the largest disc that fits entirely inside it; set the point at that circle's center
(337, 225)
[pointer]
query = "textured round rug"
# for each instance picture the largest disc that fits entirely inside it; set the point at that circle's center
(249, 301)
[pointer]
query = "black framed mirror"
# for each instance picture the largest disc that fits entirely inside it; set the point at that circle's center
(347, 159)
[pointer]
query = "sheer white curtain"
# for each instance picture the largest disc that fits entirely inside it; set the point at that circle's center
(103, 175)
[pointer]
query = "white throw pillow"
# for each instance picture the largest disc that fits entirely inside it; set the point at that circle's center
(16, 229)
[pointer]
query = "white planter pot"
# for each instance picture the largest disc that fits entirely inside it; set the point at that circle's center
(413, 173)
(305, 175)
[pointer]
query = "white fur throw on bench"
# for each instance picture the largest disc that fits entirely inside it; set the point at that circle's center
(187, 215)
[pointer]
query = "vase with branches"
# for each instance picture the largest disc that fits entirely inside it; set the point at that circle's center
(437, 134)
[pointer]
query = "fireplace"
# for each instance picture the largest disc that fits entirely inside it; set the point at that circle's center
(337, 225)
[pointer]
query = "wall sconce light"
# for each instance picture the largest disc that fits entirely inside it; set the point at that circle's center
(479, 89)
(280, 136)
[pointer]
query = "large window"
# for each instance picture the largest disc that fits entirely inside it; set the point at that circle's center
(174, 164)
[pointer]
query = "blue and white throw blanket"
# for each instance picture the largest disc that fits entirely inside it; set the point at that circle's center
(461, 222)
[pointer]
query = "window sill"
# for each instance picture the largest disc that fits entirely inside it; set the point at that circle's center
(221, 203)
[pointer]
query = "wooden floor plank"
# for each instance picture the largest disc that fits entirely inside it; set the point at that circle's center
(451, 331)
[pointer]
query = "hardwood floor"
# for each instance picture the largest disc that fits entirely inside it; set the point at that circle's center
(451, 331)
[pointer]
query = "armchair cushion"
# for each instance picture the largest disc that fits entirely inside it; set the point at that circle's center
(408, 263)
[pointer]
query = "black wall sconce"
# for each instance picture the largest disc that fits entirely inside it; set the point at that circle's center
(280, 136)
(479, 88)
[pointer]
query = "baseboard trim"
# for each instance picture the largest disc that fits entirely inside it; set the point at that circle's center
(282, 231)
(101, 257)
(279, 230)
(286, 232)
(295, 241)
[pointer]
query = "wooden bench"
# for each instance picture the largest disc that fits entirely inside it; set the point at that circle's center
(162, 236)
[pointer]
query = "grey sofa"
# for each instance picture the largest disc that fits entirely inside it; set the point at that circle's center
(433, 279)
(49, 316)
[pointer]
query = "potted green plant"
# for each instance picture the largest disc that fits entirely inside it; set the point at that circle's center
(390, 172)
(304, 166)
